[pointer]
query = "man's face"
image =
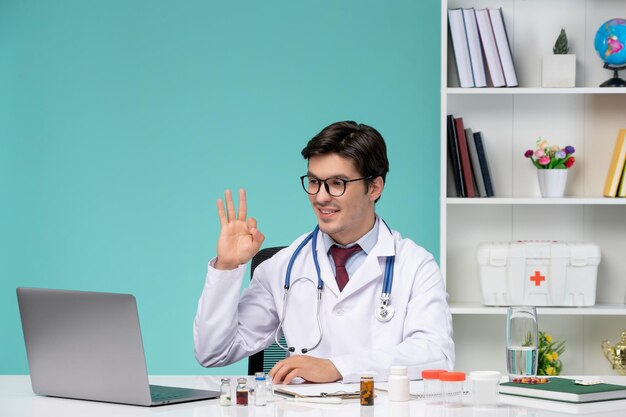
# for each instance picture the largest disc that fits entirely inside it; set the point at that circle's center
(348, 217)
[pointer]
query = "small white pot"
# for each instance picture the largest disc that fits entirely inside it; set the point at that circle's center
(558, 71)
(552, 182)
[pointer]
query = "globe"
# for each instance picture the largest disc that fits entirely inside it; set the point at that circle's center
(610, 43)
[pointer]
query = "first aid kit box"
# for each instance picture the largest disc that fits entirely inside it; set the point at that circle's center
(538, 273)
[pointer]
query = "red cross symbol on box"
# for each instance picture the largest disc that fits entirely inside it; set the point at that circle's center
(537, 278)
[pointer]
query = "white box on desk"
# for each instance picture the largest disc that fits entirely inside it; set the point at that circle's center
(538, 273)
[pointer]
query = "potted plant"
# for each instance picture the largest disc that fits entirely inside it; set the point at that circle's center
(559, 69)
(552, 163)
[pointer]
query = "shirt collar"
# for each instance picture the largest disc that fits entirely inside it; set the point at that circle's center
(367, 241)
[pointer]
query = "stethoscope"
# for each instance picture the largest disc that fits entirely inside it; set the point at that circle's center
(383, 313)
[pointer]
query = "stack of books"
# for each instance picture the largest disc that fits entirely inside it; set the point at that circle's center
(479, 40)
(568, 390)
(468, 157)
(615, 184)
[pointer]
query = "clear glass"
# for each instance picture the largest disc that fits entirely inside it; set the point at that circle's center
(521, 342)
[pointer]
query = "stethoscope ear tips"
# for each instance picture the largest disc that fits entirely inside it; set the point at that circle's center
(304, 351)
(292, 349)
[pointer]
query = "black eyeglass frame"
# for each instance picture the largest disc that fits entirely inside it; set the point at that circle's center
(326, 187)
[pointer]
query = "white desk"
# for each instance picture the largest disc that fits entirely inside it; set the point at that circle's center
(18, 400)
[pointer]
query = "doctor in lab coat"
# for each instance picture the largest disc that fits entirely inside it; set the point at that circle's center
(347, 167)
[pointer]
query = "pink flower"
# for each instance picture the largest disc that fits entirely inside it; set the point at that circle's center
(539, 153)
(544, 160)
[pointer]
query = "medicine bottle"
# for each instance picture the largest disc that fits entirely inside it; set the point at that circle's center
(367, 390)
(485, 386)
(270, 389)
(225, 391)
(260, 392)
(452, 388)
(398, 384)
(432, 385)
(242, 392)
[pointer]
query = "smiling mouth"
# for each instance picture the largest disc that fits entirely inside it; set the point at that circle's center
(327, 212)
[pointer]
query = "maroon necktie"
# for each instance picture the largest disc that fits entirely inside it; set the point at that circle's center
(341, 256)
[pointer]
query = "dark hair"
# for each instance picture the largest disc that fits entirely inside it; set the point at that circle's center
(357, 142)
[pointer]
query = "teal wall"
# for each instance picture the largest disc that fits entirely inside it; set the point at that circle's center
(122, 121)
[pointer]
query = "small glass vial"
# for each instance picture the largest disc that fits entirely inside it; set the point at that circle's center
(367, 390)
(242, 392)
(452, 388)
(398, 385)
(270, 389)
(432, 385)
(260, 392)
(225, 392)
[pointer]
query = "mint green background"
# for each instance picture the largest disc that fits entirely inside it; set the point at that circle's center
(122, 121)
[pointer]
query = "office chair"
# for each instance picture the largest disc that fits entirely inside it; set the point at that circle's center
(264, 360)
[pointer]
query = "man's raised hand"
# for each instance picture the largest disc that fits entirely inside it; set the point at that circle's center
(239, 238)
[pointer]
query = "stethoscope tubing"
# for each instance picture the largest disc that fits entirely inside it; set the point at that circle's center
(385, 296)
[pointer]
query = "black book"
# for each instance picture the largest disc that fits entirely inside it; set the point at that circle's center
(455, 160)
(484, 165)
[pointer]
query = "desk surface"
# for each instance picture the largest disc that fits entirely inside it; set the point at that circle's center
(18, 400)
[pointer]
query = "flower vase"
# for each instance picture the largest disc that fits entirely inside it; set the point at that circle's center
(552, 182)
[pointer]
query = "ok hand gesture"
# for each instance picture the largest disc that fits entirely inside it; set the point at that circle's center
(239, 238)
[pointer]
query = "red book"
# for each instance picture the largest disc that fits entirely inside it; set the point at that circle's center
(466, 166)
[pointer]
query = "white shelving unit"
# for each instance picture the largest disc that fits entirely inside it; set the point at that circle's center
(587, 117)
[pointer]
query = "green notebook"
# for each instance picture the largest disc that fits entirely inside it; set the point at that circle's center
(563, 389)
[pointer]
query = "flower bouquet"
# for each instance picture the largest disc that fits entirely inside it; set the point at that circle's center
(549, 353)
(550, 157)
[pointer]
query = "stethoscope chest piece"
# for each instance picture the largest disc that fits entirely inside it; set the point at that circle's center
(384, 312)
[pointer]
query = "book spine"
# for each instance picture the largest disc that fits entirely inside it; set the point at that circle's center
(478, 176)
(475, 50)
(617, 166)
(484, 164)
(621, 191)
(466, 167)
(453, 151)
(504, 47)
(489, 47)
(461, 49)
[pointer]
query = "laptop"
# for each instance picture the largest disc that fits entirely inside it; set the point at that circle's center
(87, 345)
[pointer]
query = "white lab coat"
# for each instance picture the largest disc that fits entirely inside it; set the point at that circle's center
(228, 327)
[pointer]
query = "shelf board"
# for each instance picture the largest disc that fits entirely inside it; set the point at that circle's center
(583, 201)
(597, 310)
(534, 90)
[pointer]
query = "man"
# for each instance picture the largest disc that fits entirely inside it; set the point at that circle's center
(335, 336)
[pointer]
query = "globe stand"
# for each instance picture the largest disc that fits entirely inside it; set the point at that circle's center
(616, 81)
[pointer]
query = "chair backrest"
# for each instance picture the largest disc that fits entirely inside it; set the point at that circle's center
(264, 360)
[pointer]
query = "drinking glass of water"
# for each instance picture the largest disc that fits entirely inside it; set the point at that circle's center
(521, 342)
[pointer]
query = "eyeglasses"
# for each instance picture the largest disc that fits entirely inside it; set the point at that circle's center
(336, 187)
